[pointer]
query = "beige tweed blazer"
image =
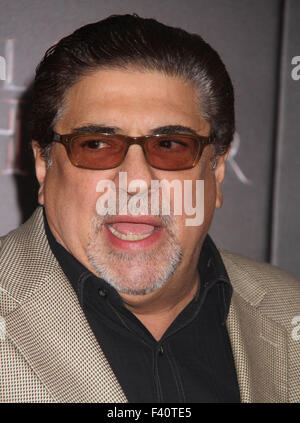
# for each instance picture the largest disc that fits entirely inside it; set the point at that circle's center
(48, 352)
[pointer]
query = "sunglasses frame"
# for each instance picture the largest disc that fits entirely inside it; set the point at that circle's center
(67, 139)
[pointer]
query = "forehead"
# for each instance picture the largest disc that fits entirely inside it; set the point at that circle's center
(123, 98)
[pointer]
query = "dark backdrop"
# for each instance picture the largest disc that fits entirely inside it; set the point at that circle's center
(257, 40)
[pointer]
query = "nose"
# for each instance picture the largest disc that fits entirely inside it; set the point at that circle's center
(136, 166)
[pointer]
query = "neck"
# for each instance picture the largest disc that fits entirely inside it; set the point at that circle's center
(159, 309)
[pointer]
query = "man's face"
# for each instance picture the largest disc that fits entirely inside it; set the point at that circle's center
(133, 103)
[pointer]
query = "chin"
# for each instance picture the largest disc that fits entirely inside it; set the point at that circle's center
(139, 278)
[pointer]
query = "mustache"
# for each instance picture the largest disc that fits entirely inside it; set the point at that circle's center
(167, 221)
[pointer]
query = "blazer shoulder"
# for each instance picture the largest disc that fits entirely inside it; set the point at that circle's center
(265, 273)
(26, 261)
(272, 290)
(8, 303)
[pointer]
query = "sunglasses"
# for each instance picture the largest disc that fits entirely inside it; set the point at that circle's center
(107, 151)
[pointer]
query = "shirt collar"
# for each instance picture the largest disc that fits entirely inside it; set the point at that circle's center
(210, 266)
(212, 271)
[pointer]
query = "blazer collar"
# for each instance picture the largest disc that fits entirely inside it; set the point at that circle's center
(243, 282)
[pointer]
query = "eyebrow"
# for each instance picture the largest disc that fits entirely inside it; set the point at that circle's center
(164, 130)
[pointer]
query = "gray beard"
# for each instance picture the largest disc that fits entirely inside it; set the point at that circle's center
(151, 269)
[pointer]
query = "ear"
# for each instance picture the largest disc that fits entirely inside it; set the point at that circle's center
(219, 175)
(40, 169)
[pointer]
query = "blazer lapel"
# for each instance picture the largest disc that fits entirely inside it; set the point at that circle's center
(259, 344)
(49, 327)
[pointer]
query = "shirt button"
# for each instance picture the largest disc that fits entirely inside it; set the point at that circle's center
(102, 292)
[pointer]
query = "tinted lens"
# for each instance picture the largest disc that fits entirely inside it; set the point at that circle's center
(172, 152)
(97, 151)
(102, 151)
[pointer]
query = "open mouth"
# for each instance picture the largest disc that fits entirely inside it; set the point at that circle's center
(128, 232)
(131, 231)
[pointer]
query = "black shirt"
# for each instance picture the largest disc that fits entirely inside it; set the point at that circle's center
(192, 362)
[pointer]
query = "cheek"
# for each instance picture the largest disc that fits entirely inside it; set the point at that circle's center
(70, 194)
(70, 201)
(190, 234)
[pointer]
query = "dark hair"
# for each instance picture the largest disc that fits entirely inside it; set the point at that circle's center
(129, 40)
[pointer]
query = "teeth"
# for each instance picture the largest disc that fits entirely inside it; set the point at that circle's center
(128, 237)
